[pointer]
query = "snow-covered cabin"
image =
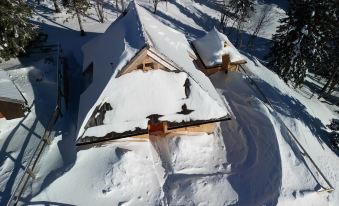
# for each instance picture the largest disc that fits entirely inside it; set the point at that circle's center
(217, 53)
(12, 103)
(140, 79)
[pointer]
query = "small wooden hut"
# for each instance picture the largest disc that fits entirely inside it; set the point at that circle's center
(12, 103)
(216, 53)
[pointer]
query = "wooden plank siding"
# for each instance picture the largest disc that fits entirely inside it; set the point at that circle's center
(144, 61)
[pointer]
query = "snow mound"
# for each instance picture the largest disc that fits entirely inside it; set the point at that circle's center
(178, 153)
(108, 175)
(200, 190)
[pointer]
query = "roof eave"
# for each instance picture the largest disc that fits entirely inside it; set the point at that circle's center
(16, 101)
(172, 125)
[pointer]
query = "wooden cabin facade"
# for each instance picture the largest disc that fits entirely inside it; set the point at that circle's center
(12, 103)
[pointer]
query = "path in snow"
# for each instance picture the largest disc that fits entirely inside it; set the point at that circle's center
(270, 157)
(251, 144)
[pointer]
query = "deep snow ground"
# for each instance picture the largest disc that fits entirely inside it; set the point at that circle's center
(19, 137)
(306, 118)
(250, 160)
(253, 162)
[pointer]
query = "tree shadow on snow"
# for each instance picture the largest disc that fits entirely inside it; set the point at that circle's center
(259, 49)
(18, 161)
(332, 99)
(283, 4)
(251, 140)
(176, 24)
(215, 5)
(48, 203)
(293, 108)
(68, 126)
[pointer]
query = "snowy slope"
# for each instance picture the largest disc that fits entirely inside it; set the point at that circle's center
(306, 118)
(19, 137)
(253, 162)
(250, 160)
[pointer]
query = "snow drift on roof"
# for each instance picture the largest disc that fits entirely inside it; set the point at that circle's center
(174, 47)
(8, 91)
(211, 47)
(109, 53)
(153, 92)
(113, 50)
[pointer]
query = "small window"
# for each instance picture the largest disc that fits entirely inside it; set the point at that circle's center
(140, 67)
(149, 65)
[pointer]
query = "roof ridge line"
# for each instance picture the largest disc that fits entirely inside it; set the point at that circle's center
(148, 42)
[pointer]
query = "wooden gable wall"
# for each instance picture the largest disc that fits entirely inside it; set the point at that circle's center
(143, 61)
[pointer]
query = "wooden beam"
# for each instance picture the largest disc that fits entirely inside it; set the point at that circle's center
(203, 128)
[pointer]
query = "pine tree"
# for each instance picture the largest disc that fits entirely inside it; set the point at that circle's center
(305, 40)
(16, 31)
(328, 44)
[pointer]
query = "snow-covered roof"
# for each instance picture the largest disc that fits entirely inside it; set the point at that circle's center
(213, 45)
(153, 92)
(113, 50)
(8, 91)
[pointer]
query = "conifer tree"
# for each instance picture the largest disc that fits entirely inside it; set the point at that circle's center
(16, 30)
(305, 40)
